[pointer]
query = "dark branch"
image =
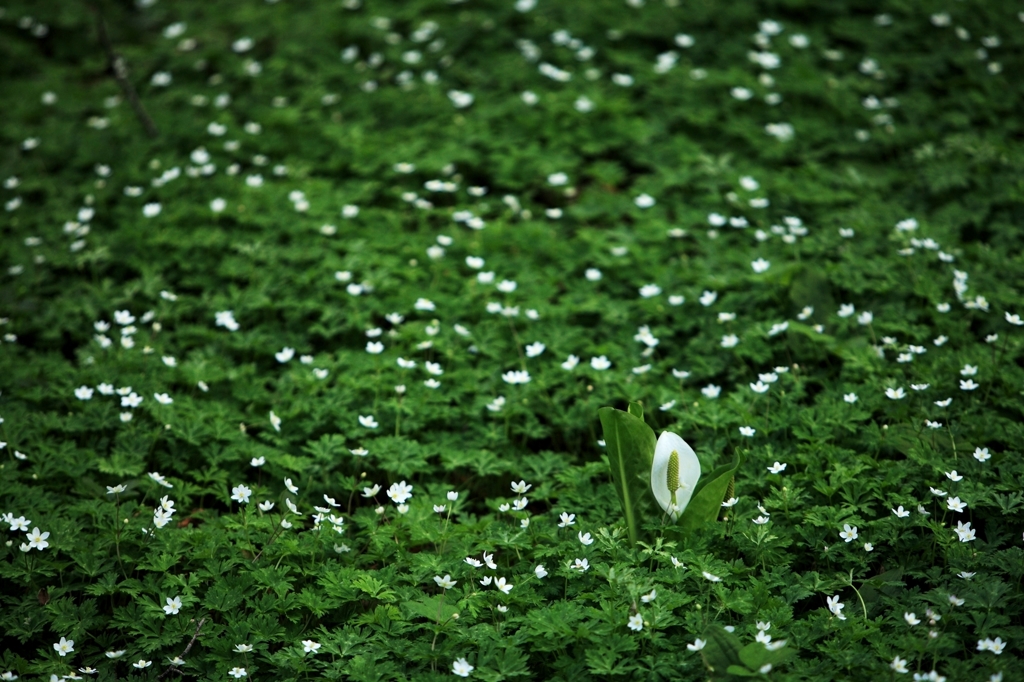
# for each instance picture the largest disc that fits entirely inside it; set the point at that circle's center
(120, 69)
(188, 648)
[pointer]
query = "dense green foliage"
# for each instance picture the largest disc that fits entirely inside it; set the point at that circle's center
(790, 229)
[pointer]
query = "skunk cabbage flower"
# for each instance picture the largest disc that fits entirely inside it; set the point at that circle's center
(674, 474)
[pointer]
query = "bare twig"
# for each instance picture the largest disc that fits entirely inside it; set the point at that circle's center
(188, 647)
(120, 69)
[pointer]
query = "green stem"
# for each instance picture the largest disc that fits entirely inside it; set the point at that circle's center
(862, 605)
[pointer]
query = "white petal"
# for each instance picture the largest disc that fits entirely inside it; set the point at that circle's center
(689, 473)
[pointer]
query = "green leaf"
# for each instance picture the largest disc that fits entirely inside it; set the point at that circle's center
(740, 671)
(630, 445)
(722, 649)
(755, 655)
(708, 497)
(436, 608)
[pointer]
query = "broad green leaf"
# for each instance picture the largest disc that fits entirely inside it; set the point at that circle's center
(630, 445)
(722, 649)
(754, 655)
(436, 608)
(708, 497)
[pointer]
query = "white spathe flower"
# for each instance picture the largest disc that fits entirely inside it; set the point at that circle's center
(674, 473)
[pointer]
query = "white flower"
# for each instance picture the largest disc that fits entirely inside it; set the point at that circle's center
(835, 606)
(241, 493)
(730, 341)
(285, 354)
(649, 290)
(534, 349)
(275, 421)
(783, 132)
(711, 391)
(151, 210)
(540, 571)
(964, 531)
(981, 454)
(309, 646)
(911, 618)
(368, 421)
(570, 362)
(400, 492)
(697, 645)
(954, 504)
(566, 520)
(636, 622)
(600, 363)
(460, 99)
(674, 474)
(848, 533)
(163, 398)
(711, 577)
(226, 319)
(644, 201)
(708, 297)
(895, 394)
(83, 393)
(461, 667)
(850, 398)
(760, 265)
(777, 468)
(522, 487)
(585, 538)
(900, 512)
(64, 646)
(741, 94)
(747, 431)
(516, 377)
(173, 606)
(445, 583)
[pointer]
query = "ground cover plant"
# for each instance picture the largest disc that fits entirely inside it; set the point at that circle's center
(310, 311)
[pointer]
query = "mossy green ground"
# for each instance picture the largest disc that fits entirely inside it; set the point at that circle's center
(421, 244)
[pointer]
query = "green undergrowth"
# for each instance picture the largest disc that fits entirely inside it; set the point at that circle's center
(306, 385)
